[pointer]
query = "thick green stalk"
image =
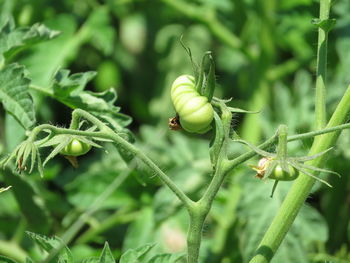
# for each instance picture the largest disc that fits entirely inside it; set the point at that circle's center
(282, 143)
(300, 189)
(197, 214)
(12, 250)
(320, 96)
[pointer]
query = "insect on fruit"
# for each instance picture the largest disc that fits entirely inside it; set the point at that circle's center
(194, 111)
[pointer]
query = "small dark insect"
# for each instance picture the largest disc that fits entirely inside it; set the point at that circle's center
(174, 123)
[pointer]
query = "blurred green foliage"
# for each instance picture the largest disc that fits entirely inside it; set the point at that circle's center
(265, 59)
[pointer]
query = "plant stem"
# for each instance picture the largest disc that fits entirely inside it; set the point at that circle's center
(107, 133)
(282, 143)
(318, 132)
(320, 96)
(12, 250)
(300, 189)
(194, 235)
(152, 166)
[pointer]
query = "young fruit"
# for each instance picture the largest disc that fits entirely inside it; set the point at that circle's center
(195, 112)
(76, 148)
(277, 173)
(281, 175)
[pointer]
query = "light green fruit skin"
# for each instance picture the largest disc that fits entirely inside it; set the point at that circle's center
(76, 148)
(195, 112)
(281, 175)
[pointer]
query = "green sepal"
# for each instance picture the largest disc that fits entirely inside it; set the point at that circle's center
(209, 87)
(274, 188)
(3, 189)
(194, 65)
(217, 141)
(205, 83)
(201, 78)
(326, 24)
(238, 110)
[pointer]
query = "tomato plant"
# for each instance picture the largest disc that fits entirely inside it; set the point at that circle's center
(150, 191)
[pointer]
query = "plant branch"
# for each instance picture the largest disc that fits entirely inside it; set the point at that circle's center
(300, 189)
(320, 96)
(107, 133)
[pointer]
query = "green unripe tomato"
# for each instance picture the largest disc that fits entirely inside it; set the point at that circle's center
(76, 148)
(195, 112)
(281, 175)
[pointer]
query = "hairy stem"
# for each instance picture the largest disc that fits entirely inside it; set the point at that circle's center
(282, 143)
(302, 186)
(107, 133)
(300, 189)
(320, 96)
(194, 235)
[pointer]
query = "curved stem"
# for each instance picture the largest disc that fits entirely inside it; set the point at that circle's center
(108, 133)
(152, 166)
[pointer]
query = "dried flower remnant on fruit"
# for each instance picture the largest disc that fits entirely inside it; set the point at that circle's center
(174, 123)
(20, 166)
(262, 167)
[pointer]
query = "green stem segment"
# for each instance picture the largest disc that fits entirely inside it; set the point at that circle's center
(320, 96)
(282, 143)
(302, 186)
(194, 236)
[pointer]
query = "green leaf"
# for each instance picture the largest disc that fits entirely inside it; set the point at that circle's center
(49, 244)
(56, 53)
(257, 209)
(167, 258)
(106, 256)
(66, 85)
(30, 203)
(91, 260)
(217, 141)
(140, 231)
(100, 27)
(69, 89)
(325, 24)
(14, 132)
(15, 96)
(14, 39)
(4, 259)
(136, 255)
